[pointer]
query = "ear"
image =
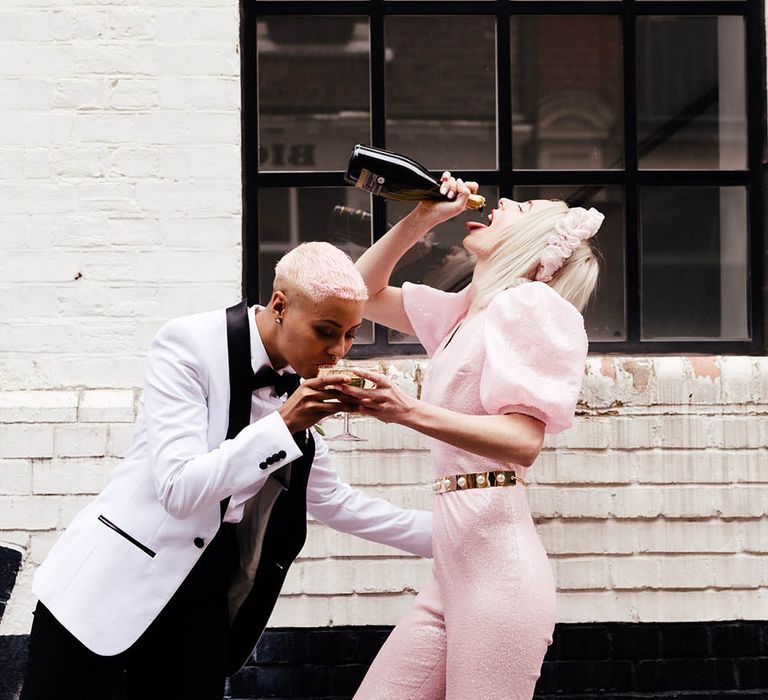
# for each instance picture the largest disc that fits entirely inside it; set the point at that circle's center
(278, 304)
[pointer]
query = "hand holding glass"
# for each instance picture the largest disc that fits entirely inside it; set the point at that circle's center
(345, 375)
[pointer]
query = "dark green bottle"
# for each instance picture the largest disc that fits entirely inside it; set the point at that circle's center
(393, 176)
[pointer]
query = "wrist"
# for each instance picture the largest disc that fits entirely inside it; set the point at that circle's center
(423, 218)
(285, 415)
(413, 413)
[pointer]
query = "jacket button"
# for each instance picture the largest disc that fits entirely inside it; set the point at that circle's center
(281, 454)
(199, 542)
(263, 465)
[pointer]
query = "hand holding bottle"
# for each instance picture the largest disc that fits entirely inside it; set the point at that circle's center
(457, 191)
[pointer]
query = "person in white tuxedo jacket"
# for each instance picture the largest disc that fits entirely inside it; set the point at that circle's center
(146, 584)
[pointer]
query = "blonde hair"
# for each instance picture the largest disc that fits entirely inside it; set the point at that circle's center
(517, 256)
(319, 270)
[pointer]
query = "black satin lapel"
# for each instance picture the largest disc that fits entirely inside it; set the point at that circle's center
(240, 374)
(240, 371)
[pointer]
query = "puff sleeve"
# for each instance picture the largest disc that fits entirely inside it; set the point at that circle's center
(433, 312)
(535, 352)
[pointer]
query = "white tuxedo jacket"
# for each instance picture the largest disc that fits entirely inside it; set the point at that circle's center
(127, 552)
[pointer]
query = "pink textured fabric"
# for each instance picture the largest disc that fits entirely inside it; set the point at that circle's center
(524, 353)
(433, 312)
(481, 626)
(535, 349)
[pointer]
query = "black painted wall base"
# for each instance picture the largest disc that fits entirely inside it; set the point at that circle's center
(695, 661)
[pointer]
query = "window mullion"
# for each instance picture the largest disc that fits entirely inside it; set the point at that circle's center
(631, 192)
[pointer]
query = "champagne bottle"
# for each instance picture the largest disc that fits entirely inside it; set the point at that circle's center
(393, 176)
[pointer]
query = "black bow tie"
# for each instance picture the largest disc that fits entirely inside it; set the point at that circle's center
(285, 383)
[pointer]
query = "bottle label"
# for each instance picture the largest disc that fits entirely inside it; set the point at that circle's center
(370, 182)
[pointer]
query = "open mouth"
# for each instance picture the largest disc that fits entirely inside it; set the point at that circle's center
(475, 225)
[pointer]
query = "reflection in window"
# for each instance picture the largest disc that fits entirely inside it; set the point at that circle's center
(694, 262)
(313, 91)
(691, 93)
(567, 92)
(440, 103)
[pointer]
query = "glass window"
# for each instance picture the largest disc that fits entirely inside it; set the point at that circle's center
(566, 92)
(691, 93)
(694, 262)
(643, 114)
(442, 101)
(313, 90)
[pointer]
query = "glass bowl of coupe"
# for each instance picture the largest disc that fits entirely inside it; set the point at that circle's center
(345, 374)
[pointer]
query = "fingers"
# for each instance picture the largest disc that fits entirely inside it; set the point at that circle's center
(360, 394)
(454, 188)
(322, 409)
(320, 383)
(324, 394)
(376, 377)
(462, 191)
(448, 187)
(343, 405)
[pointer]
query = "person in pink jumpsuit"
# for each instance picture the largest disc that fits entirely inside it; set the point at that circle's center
(507, 361)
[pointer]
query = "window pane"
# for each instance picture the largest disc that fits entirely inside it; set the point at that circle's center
(313, 91)
(605, 317)
(694, 262)
(440, 103)
(691, 103)
(439, 259)
(567, 92)
(292, 215)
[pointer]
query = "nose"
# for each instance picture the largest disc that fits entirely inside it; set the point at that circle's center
(503, 202)
(338, 349)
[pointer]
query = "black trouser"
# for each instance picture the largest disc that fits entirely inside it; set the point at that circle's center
(181, 656)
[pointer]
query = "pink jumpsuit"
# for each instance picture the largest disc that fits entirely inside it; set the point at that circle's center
(481, 626)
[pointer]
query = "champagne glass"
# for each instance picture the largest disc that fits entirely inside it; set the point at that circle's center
(344, 373)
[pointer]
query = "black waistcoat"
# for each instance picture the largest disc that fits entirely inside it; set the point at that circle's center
(286, 529)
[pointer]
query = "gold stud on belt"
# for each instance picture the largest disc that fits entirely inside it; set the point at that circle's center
(478, 480)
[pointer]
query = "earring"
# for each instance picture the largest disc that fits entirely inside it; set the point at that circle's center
(278, 321)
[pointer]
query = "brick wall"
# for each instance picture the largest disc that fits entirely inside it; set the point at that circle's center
(654, 507)
(121, 206)
(119, 181)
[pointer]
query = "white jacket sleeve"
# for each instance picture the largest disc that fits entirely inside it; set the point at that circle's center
(337, 504)
(187, 474)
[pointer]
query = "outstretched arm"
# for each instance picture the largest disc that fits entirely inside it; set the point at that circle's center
(335, 503)
(512, 437)
(385, 303)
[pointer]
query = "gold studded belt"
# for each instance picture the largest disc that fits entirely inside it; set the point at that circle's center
(478, 480)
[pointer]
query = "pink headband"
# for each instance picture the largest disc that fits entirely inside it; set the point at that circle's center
(576, 226)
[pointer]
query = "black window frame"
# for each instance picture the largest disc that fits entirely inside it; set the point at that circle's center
(630, 178)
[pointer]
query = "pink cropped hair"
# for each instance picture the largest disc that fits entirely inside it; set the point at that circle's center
(320, 270)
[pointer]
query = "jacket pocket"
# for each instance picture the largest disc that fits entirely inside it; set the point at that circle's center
(124, 534)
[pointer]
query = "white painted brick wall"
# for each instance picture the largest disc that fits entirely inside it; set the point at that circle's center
(631, 523)
(121, 208)
(119, 182)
